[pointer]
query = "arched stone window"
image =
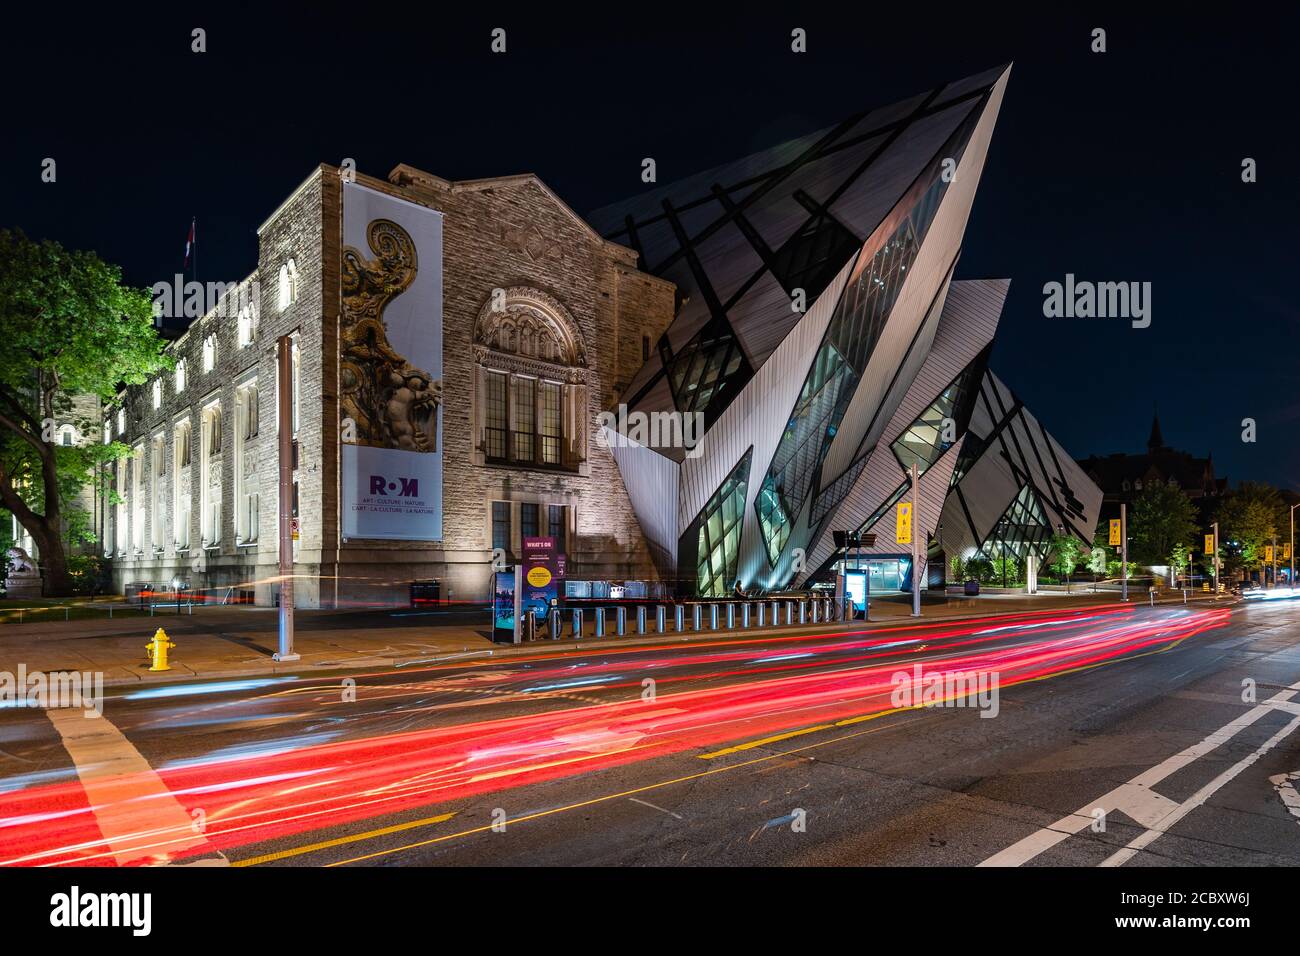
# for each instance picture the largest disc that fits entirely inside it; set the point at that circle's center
(530, 383)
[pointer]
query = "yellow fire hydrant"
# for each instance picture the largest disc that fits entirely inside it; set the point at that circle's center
(157, 650)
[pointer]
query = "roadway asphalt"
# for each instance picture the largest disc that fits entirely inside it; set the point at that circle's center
(1122, 737)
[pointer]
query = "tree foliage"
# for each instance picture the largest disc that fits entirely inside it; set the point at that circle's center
(68, 327)
(1249, 518)
(1163, 517)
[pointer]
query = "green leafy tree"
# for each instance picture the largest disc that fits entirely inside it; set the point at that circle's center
(1251, 516)
(1097, 555)
(1179, 558)
(68, 327)
(1066, 551)
(1163, 517)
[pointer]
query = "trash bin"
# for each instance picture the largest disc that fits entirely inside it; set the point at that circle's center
(972, 588)
(425, 593)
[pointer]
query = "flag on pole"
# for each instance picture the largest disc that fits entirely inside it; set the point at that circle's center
(189, 243)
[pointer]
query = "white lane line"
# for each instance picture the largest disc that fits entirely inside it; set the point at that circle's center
(653, 807)
(131, 804)
(1198, 798)
(1137, 800)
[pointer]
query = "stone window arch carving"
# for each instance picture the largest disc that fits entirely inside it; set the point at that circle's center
(530, 383)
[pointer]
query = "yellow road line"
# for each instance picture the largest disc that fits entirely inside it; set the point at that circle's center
(340, 841)
(654, 786)
(610, 796)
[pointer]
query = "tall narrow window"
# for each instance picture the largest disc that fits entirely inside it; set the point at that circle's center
(294, 376)
(555, 525)
(247, 326)
(528, 520)
(137, 498)
(120, 518)
(552, 424)
(181, 485)
(157, 393)
(497, 423)
(288, 284)
(157, 471)
(501, 526)
(210, 478)
(178, 381)
(210, 351)
(525, 398)
(246, 489)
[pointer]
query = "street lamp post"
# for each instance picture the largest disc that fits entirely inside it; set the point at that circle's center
(1123, 542)
(1293, 508)
(916, 538)
(284, 418)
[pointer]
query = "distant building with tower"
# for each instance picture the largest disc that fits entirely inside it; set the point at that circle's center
(1122, 477)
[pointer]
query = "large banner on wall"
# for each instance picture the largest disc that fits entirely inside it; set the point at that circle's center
(390, 368)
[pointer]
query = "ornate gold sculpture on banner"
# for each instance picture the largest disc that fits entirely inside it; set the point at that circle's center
(393, 403)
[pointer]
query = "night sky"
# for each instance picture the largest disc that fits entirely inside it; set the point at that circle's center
(1119, 166)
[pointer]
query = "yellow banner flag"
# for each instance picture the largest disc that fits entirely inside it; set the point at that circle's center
(1115, 533)
(904, 532)
(1209, 544)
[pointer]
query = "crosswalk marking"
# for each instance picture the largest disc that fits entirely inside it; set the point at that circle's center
(140, 819)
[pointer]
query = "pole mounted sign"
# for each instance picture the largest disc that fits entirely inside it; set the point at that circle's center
(1115, 531)
(904, 531)
(1209, 544)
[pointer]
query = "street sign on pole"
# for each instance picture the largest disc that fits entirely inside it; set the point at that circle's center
(1115, 531)
(1209, 544)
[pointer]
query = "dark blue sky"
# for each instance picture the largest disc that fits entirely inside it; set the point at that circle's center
(1115, 166)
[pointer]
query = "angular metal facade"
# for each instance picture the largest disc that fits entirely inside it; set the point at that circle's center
(819, 335)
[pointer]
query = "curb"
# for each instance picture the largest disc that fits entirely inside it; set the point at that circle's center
(505, 651)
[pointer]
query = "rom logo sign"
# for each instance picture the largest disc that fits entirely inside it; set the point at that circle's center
(399, 488)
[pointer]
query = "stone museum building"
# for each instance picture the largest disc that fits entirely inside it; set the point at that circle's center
(544, 323)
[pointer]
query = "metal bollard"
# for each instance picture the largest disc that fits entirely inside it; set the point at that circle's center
(803, 612)
(620, 620)
(1184, 595)
(679, 617)
(600, 622)
(659, 619)
(731, 616)
(530, 623)
(762, 618)
(555, 624)
(816, 611)
(744, 615)
(640, 619)
(577, 622)
(713, 617)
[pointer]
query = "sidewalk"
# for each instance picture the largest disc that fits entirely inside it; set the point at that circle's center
(219, 642)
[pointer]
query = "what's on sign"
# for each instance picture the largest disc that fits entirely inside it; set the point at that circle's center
(1116, 535)
(904, 526)
(1209, 544)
